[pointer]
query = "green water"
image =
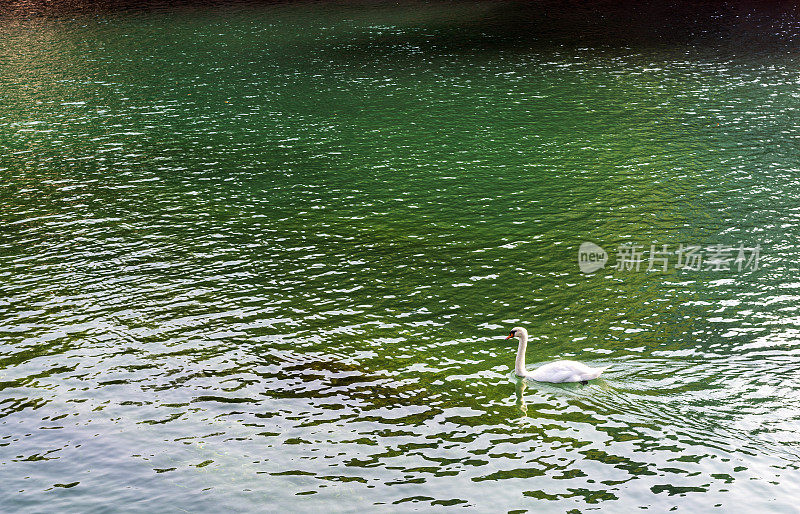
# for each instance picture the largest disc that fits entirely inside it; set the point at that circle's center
(264, 258)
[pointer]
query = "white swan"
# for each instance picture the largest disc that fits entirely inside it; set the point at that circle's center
(555, 372)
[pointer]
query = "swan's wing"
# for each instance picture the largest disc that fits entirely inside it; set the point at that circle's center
(565, 371)
(555, 372)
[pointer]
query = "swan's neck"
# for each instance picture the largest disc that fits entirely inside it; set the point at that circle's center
(519, 366)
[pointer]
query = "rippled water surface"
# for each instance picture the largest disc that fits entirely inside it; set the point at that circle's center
(264, 258)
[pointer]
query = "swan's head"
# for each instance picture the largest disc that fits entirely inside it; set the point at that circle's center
(517, 332)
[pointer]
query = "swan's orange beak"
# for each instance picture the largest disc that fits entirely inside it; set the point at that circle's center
(509, 337)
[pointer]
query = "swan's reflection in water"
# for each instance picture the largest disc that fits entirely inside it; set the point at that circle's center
(520, 387)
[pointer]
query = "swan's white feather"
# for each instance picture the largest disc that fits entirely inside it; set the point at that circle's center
(564, 371)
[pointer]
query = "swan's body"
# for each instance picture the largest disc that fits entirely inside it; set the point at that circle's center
(555, 372)
(562, 371)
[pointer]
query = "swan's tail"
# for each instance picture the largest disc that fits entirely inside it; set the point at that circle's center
(599, 371)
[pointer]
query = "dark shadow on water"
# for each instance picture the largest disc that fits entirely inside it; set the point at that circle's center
(483, 24)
